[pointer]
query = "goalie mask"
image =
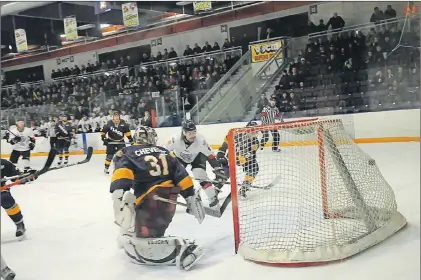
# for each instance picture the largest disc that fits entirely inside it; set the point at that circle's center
(145, 135)
(189, 130)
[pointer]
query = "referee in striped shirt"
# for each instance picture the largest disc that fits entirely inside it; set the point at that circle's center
(270, 113)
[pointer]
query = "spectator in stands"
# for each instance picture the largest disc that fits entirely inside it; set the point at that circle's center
(145, 58)
(337, 22)
(322, 26)
(377, 17)
(284, 102)
(207, 47)
(188, 51)
(263, 101)
(197, 49)
(389, 13)
(311, 27)
(159, 56)
(146, 120)
(216, 47)
(227, 44)
(295, 102)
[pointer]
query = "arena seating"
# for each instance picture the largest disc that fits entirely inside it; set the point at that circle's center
(352, 72)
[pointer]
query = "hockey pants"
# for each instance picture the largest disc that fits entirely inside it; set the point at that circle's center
(265, 138)
(12, 209)
(111, 150)
(152, 216)
(15, 155)
(62, 146)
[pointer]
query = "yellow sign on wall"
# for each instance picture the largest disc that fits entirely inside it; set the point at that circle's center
(130, 14)
(264, 51)
(70, 28)
(202, 6)
(20, 39)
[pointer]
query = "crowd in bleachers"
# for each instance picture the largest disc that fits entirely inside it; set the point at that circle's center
(345, 71)
(77, 93)
(352, 72)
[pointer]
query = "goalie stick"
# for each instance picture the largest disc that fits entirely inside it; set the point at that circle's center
(27, 178)
(87, 159)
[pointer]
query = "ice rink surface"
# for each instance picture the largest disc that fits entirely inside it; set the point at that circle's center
(71, 235)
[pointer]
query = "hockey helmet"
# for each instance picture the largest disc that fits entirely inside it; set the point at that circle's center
(252, 123)
(189, 130)
(188, 125)
(145, 135)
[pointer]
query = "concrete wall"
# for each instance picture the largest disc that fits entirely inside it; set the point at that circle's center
(378, 127)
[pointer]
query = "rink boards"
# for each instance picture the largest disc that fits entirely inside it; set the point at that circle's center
(376, 127)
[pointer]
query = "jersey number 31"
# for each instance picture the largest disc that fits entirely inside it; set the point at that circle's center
(155, 168)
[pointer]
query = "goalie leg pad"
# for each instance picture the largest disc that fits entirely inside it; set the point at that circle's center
(124, 214)
(168, 251)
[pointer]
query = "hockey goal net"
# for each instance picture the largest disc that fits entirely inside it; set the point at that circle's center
(320, 199)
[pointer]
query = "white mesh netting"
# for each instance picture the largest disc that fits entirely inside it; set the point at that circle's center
(326, 199)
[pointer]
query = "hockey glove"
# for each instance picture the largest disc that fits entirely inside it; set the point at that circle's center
(195, 207)
(222, 159)
(15, 140)
(105, 141)
(31, 146)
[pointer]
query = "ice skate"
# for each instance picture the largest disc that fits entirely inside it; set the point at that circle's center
(7, 274)
(245, 187)
(276, 149)
(106, 171)
(20, 229)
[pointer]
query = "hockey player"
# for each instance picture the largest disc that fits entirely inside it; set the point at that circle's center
(192, 148)
(49, 126)
(95, 122)
(270, 113)
(84, 125)
(8, 169)
(247, 144)
(152, 171)
(23, 140)
(112, 136)
(64, 132)
(6, 272)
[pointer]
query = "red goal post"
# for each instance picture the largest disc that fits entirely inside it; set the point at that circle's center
(329, 200)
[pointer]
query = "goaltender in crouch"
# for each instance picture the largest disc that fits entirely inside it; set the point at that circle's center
(151, 171)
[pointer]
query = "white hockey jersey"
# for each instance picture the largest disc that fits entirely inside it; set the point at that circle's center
(50, 128)
(25, 136)
(96, 123)
(84, 125)
(188, 153)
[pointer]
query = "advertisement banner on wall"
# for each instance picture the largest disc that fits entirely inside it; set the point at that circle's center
(202, 6)
(20, 39)
(130, 14)
(70, 28)
(261, 52)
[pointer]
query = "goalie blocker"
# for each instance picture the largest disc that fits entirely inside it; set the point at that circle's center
(151, 171)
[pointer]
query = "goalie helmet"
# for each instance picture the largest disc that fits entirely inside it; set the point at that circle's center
(145, 135)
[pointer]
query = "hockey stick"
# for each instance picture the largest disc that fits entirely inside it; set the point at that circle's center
(21, 181)
(208, 211)
(87, 159)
